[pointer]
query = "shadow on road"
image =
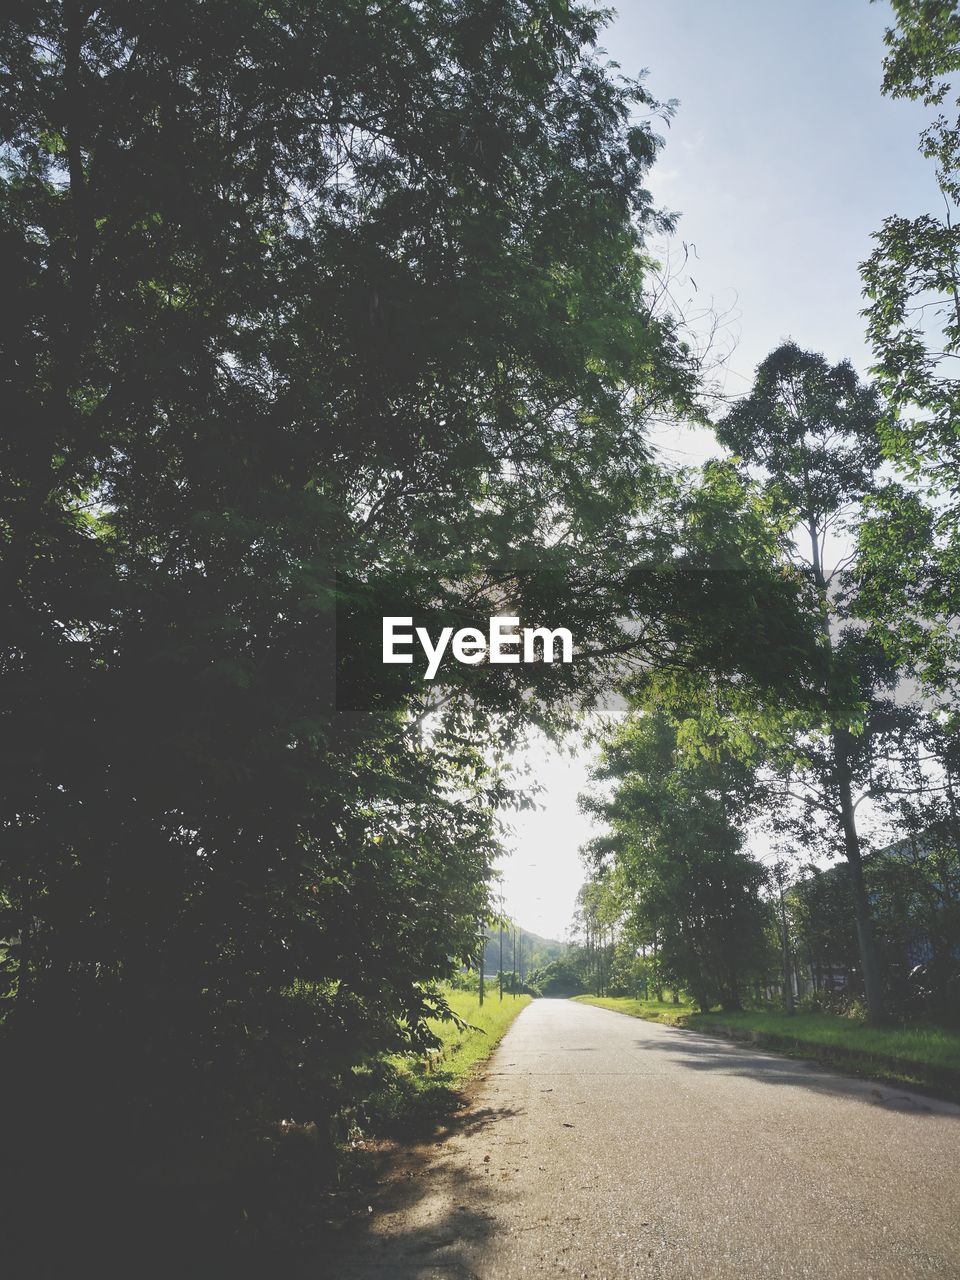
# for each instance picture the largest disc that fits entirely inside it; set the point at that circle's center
(697, 1052)
(456, 1222)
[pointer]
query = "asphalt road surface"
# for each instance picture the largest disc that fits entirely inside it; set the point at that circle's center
(603, 1146)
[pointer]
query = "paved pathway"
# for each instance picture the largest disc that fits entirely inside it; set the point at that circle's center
(602, 1146)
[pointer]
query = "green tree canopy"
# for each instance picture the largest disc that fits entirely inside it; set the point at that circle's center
(910, 547)
(812, 430)
(309, 306)
(675, 837)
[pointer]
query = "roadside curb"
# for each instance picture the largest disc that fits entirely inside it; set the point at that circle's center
(943, 1081)
(938, 1081)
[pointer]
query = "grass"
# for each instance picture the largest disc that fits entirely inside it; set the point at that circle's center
(464, 1050)
(413, 1094)
(675, 1015)
(924, 1056)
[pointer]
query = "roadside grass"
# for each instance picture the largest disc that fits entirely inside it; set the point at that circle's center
(674, 1015)
(304, 1183)
(925, 1056)
(463, 1050)
(411, 1094)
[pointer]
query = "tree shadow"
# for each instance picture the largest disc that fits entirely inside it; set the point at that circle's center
(697, 1052)
(440, 1245)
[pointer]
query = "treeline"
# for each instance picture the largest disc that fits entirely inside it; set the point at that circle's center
(698, 765)
(855, 484)
(802, 951)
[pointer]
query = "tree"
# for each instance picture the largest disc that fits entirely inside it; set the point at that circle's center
(811, 431)
(676, 846)
(779, 872)
(311, 307)
(914, 881)
(911, 547)
(558, 978)
(911, 279)
(598, 917)
(822, 923)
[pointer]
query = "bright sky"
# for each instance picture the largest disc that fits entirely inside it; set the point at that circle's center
(782, 159)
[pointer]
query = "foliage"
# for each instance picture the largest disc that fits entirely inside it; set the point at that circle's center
(810, 431)
(676, 845)
(823, 934)
(911, 278)
(910, 548)
(311, 307)
(725, 542)
(560, 977)
(405, 1094)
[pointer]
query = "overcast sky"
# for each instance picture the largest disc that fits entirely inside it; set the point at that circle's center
(782, 159)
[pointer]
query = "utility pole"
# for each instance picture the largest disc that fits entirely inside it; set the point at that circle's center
(500, 967)
(483, 954)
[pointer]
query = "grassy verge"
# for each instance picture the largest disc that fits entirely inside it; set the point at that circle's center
(462, 1051)
(928, 1057)
(413, 1093)
(674, 1015)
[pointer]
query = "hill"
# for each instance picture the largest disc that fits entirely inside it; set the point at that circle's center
(533, 950)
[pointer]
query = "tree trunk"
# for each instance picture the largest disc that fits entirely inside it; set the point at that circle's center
(872, 986)
(785, 943)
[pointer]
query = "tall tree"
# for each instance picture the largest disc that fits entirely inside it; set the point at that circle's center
(811, 431)
(310, 307)
(675, 839)
(911, 552)
(912, 277)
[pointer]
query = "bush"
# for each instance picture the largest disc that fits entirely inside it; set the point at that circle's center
(841, 1003)
(558, 978)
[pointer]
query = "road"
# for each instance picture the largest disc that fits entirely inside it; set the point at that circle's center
(603, 1146)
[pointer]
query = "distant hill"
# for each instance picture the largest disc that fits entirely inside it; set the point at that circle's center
(537, 951)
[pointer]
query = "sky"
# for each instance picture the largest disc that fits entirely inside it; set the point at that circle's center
(782, 159)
